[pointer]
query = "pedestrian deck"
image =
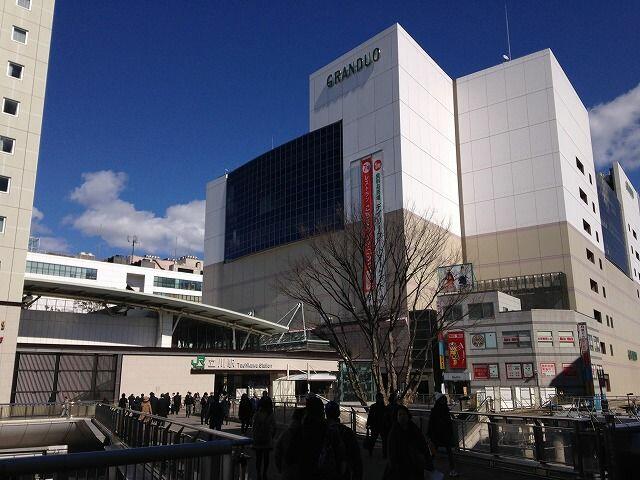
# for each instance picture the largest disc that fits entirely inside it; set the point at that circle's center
(374, 465)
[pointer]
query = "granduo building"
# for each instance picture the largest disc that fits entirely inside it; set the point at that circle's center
(504, 155)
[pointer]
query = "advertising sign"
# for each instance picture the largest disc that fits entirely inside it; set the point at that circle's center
(514, 370)
(585, 355)
(378, 220)
(494, 372)
(368, 229)
(455, 347)
(481, 371)
(547, 369)
(478, 340)
(527, 370)
(456, 278)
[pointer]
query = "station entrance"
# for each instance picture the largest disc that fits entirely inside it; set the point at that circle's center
(235, 384)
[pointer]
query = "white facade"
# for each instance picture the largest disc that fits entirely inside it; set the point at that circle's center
(521, 128)
(401, 105)
(112, 275)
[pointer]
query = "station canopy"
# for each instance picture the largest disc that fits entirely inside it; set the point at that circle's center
(131, 298)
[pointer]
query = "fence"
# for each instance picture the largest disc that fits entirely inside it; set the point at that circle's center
(34, 410)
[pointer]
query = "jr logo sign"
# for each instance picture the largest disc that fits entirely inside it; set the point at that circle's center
(198, 363)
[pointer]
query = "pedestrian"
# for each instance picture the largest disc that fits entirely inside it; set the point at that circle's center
(196, 403)
(254, 401)
(203, 408)
(440, 429)
(264, 429)
(145, 410)
(188, 404)
(287, 470)
(316, 452)
(153, 400)
(349, 439)
(122, 403)
(390, 414)
(216, 415)
(137, 403)
(172, 401)
(245, 413)
(132, 400)
(375, 425)
(226, 407)
(66, 407)
(407, 449)
(178, 402)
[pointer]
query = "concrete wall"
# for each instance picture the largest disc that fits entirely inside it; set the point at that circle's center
(21, 165)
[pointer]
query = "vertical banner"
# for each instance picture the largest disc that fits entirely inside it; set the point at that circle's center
(441, 350)
(368, 228)
(583, 343)
(457, 353)
(378, 223)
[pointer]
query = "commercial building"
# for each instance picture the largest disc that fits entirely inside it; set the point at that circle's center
(25, 36)
(502, 155)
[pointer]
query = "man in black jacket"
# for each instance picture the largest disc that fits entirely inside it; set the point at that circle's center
(177, 400)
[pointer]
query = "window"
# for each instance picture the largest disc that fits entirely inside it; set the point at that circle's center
(583, 196)
(597, 237)
(10, 106)
(57, 270)
(579, 165)
(24, 4)
(603, 348)
(633, 356)
(3, 220)
(4, 184)
(15, 70)
(478, 311)
(178, 283)
(519, 370)
(593, 206)
(545, 338)
(600, 260)
(637, 256)
(611, 320)
(594, 285)
(516, 339)
(6, 144)
(590, 179)
(611, 349)
(481, 341)
(629, 189)
(634, 235)
(565, 338)
(594, 344)
(19, 35)
(590, 256)
(454, 314)
(586, 226)
(604, 292)
(597, 315)
(607, 317)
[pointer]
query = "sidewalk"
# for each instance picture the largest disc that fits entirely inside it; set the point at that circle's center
(374, 466)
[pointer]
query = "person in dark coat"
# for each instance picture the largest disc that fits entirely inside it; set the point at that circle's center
(178, 402)
(264, 429)
(216, 413)
(154, 402)
(122, 403)
(188, 404)
(163, 405)
(204, 407)
(376, 423)
(348, 436)
(440, 429)
(407, 449)
(132, 401)
(390, 414)
(245, 413)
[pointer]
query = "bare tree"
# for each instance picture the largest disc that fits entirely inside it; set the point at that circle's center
(375, 292)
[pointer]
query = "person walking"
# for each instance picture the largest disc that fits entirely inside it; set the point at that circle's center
(178, 401)
(188, 404)
(440, 429)
(145, 410)
(132, 400)
(407, 449)
(376, 424)
(66, 407)
(196, 403)
(245, 413)
(163, 405)
(390, 414)
(288, 470)
(203, 408)
(226, 407)
(264, 429)
(122, 403)
(153, 400)
(349, 439)
(216, 415)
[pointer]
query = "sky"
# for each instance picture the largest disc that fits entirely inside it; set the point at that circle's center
(148, 101)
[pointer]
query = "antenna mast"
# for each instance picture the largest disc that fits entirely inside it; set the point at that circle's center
(133, 239)
(506, 19)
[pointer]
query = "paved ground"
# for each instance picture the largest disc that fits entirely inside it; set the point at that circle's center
(374, 466)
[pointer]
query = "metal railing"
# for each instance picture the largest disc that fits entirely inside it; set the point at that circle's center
(35, 410)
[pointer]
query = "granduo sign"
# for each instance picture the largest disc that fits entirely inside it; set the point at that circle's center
(358, 64)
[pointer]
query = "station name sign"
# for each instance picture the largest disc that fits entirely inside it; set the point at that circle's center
(229, 363)
(354, 67)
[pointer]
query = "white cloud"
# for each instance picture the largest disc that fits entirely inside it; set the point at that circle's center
(113, 219)
(36, 223)
(53, 244)
(615, 130)
(48, 243)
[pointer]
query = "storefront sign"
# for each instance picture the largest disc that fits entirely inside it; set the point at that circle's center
(378, 223)
(455, 278)
(494, 371)
(455, 347)
(568, 338)
(354, 67)
(545, 337)
(484, 371)
(585, 355)
(514, 370)
(478, 341)
(548, 369)
(527, 370)
(457, 376)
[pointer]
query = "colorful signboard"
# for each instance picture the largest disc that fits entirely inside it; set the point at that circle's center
(514, 370)
(547, 369)
(527, 370)
(368, 229)
(485, 371)
(456, 278)
(456, 349)
(585, 355)
(378, 222)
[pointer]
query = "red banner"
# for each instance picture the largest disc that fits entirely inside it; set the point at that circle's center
(481, 371)
(368, 227)
(457, 353)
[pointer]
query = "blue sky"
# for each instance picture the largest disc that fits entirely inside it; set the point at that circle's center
(147, 101)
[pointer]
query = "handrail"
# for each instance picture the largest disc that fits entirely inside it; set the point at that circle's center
(107, 458)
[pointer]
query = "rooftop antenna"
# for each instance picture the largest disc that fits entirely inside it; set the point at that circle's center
(507, 57)
(133, 239)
